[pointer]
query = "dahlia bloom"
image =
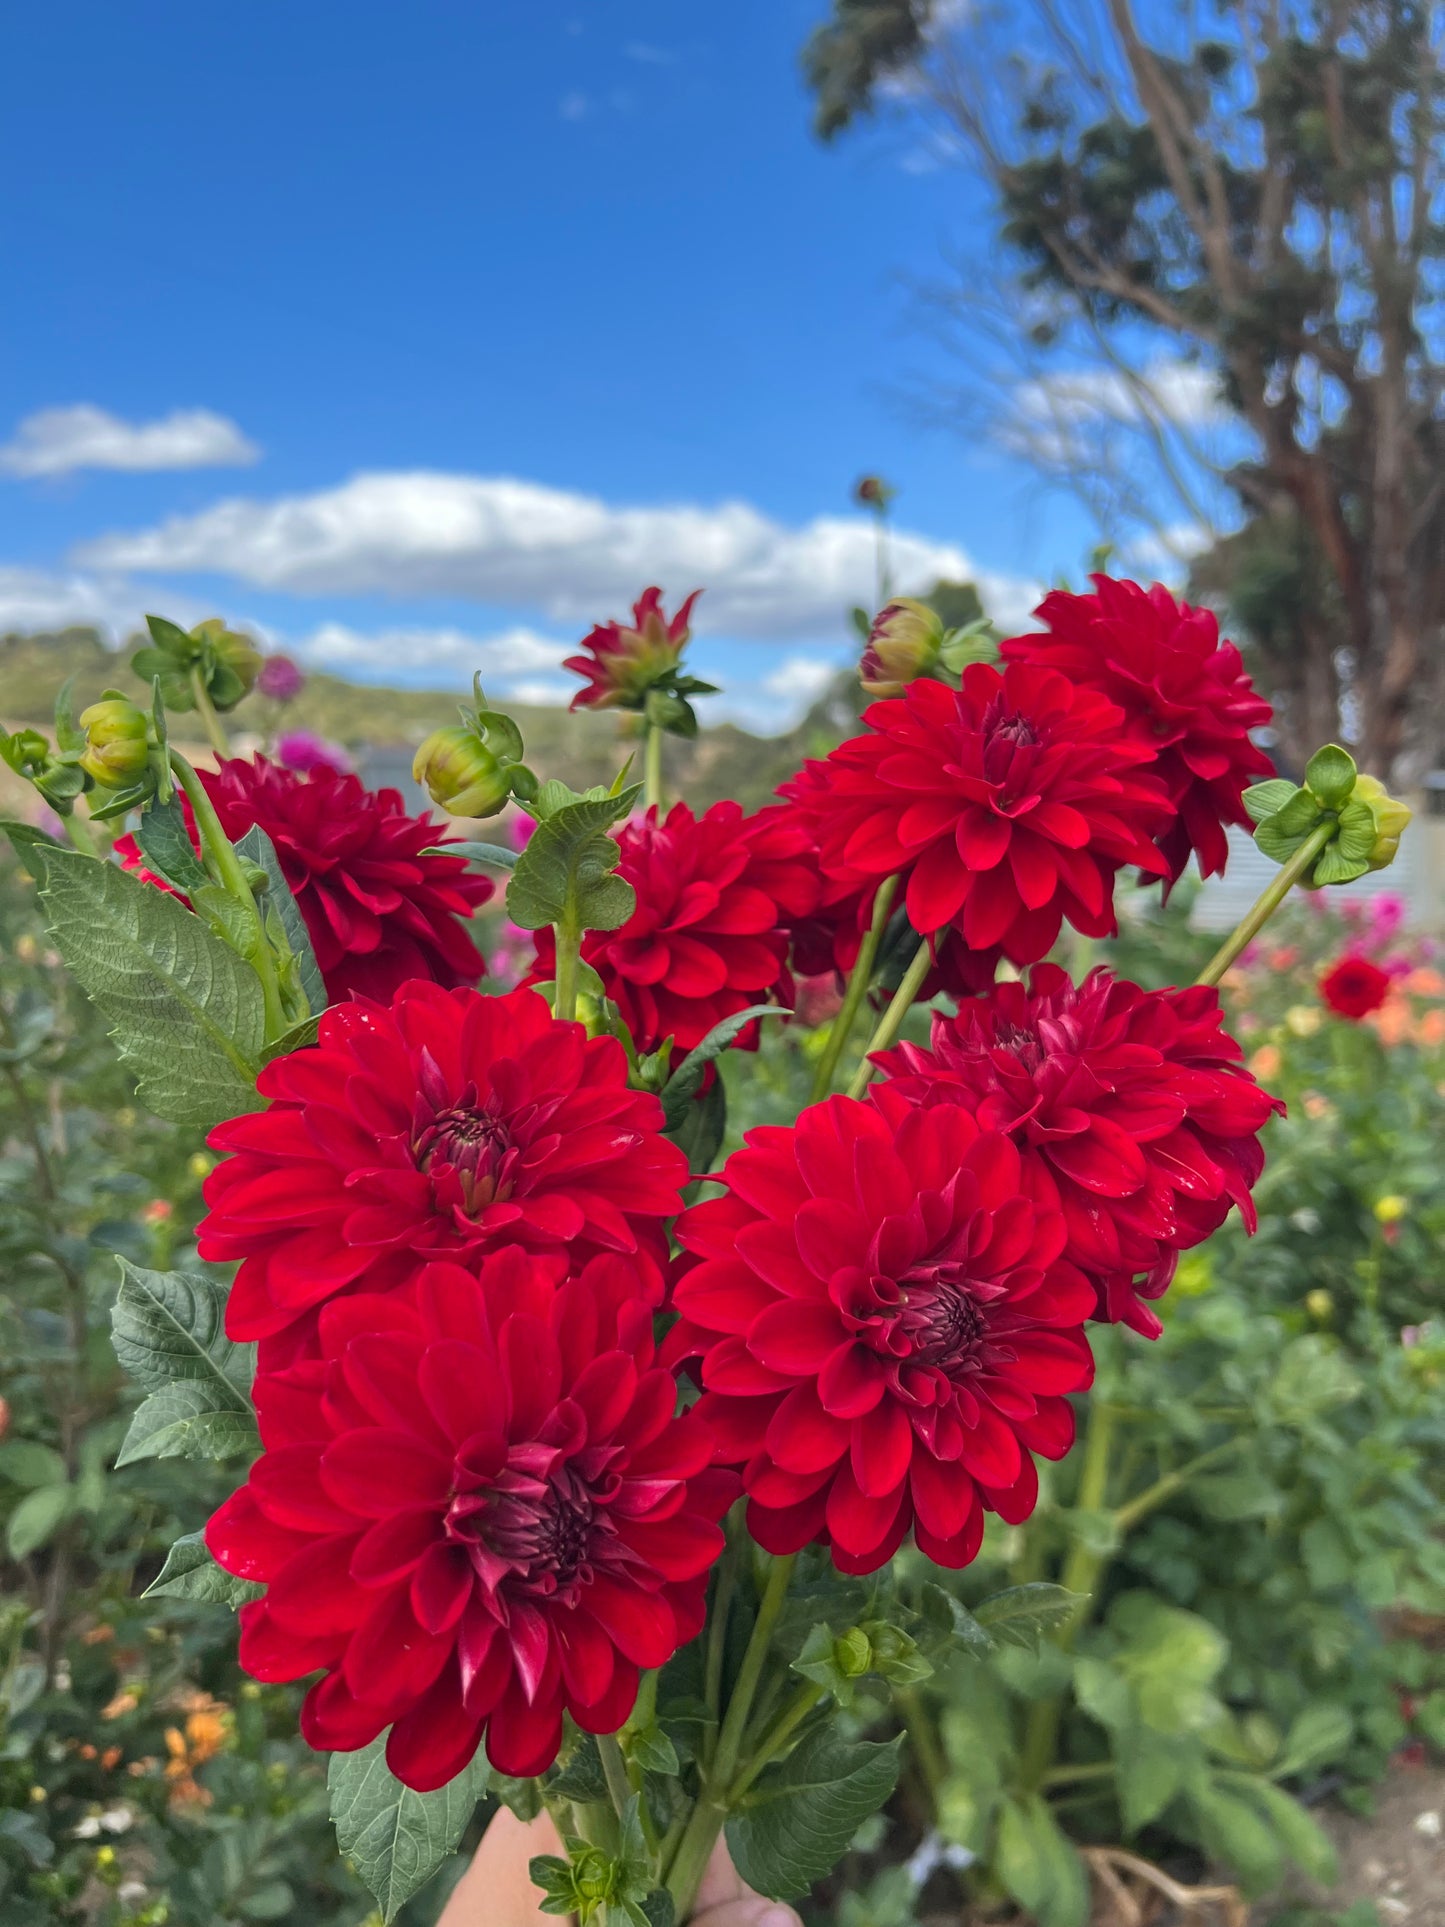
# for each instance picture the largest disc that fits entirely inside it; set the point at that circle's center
(1185, 693)
(475, 1511)
(887, 1330)
(441, 1127)
(376, 908)
(1131, 1110)
(624, 663)
(1009, 804)
(707, 937)
(1354, 987)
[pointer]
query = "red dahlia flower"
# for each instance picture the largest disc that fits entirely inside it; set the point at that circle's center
(1130, 1107)
(376, 908)
(887, 1330)
(1354, 987)
(707, 936)
(476, 1511)
(444, 1126)
(1009, 804)
(1185, 693)
(624, 663)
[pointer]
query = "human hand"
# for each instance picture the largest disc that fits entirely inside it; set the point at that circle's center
(497, 1891)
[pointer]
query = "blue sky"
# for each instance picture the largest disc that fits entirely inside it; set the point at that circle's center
(431, 332)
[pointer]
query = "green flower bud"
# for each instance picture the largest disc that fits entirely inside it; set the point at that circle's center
(460, 774)
(232, 663)
(117, 742)
(904, 643)
(1391, 818)
(853, 1653)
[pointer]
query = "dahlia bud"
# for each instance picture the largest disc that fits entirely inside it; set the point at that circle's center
(233, 666)
(117, 742)
(460, 773)
(904, 643)
(1389, 816)
(872, 492)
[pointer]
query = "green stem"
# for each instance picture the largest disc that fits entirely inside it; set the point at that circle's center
(1082, 1572)
(928, 1752)
(652, 796)
(1067, 1775)
(861, 975)
(218, 849)
(614, 1772)
(215, 729)
(717, 1634)
(1269, 901)
(78, 829)
(777, 1738)
(891, 1021)
(699, 1837)
(569, 951)
(1126, 1517)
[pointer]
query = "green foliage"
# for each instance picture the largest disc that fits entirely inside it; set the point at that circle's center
(169, 1333)
(794, 1826)
(186, 1014)
(395, 1838)
(566, 874)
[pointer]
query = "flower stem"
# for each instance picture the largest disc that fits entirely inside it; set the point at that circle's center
(215, 729)
(777, 1738)
(652, 797)
(225, 865)
(81, 835)
(1269, 901)
(859, 979)
(891, 1021)
(614, 1771)
(700, 1835)
(569, 952)
(717, 1635)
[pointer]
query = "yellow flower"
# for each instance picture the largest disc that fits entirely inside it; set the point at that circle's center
(1319, 1304)
(1391, 1207)
(199, 1165)
(1303, 1020)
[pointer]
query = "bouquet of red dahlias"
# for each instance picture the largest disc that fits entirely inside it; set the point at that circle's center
(572, 1467)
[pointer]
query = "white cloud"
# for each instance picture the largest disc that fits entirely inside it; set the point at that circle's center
(38, 600)
(57, 441)
(1167, 552)
(416, 655)
(1049, 416)
(496, 539)
(799, 679)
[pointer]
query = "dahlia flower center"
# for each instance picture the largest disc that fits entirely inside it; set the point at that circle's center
(1020, 1041)
(472, 1144)
(533, 1534)
(943, 1320)
(1006, 735)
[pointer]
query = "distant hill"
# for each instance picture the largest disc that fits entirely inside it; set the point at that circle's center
(581, 749)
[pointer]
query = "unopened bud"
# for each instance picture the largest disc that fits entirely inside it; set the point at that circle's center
(872, 492)
(235, 664)
(853, 1653)
(460, 773)
(117, 742)
(903, 644)
(1390, 816)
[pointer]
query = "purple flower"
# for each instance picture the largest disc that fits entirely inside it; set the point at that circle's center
(302, 751)
(280, 679)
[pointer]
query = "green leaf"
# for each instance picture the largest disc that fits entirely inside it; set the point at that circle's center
(28, 1463)
(948, 1621)
(1149, 1769)
(795, 1825)
(29, 845)
(258, 848)
(1236, 1833)
(191, 1573)
(396, 1839)
(168, 1329)
(166, 846)
(173, 640)
(702, 1128)
(1021, 1615)
(493, 853)
(186, 1012)
(653, 1751)
(38, 1515)
(1331, 774)
(1318, 1735)
(1038, 1866)
(681, 1087)
(566, 874)
(1333, 866)
(1305, 1841)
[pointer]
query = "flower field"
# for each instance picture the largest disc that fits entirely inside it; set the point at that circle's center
(840, 1328)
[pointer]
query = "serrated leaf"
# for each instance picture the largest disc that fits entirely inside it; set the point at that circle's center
(795, 1825)
(1021, 1615)
(493, 853)
(191, 1573)
(567, 873)
(166, 845)
(29, 845)
(948, 1619)
(168, 1329)
(686, 1080)
(186, 1013)
(395, 1838)
(37, 1517)
(258, 848)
